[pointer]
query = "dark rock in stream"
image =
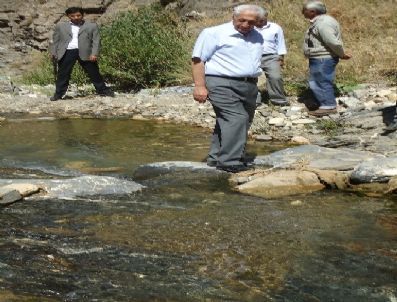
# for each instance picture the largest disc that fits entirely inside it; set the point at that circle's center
(159, 168)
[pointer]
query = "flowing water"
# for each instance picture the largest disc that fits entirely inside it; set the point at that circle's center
(188, 236)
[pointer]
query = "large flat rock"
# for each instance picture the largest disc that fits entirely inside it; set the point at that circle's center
(82, 186)
(316, 157)
(282, 183)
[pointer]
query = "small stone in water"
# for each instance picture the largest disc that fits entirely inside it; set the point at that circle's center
(296, 203)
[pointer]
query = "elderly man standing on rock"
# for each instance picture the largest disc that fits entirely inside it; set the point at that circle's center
(226, 65)
(274, 50)
(323, 46)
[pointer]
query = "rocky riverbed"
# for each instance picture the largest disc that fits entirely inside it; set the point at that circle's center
(357, 128)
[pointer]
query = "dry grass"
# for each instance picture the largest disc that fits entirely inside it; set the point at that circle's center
(369, 30)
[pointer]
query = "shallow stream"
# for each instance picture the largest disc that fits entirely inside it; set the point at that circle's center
(188, 236)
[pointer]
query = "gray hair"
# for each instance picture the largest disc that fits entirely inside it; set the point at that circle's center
(263, 12)
(316, 5)
(237, 10)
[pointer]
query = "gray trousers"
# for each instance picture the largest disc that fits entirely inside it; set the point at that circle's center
(274, 81)
(234, 105)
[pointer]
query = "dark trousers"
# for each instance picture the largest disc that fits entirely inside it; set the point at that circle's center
(65, 67)
(234, 105)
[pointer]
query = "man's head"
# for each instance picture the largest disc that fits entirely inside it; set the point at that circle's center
(75, 14)
(312, 9)
(262, 20)
(245, 17)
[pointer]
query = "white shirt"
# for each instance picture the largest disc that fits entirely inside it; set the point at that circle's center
(74, 43)
(273, 37)
(227, 52)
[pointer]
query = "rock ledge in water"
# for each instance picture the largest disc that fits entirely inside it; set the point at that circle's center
(316, 157)
(88, 185)
(156, 169)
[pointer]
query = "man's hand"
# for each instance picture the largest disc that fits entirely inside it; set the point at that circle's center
(346, 56)
(281, 61)
(92, 58)
(200, 94)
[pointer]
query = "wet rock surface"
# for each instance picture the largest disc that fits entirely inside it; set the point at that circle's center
(339, 142)
(375, 170)
(82, 186)
(9, 195)
(313, 156)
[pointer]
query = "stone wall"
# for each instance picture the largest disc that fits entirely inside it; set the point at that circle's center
(26, 25)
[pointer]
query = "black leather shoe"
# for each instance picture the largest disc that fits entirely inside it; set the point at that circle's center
(55, 98)
(233, 168)
(281, 104)
(391, 127)
(211, 163)
(108, 93)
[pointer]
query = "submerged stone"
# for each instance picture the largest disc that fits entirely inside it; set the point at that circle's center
(159, 168)
(88, 185)
(316, 157)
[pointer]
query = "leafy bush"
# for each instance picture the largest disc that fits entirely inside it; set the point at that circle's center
(43, 73)
(330, 127)
(144, 48)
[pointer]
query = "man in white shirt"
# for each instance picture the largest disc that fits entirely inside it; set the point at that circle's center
(226, 64)
(274, 51)
(77, 40)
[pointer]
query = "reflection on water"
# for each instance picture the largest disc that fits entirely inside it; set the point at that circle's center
(186, 238)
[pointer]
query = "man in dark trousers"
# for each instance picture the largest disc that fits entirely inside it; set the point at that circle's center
(77, 40)
(226, 64)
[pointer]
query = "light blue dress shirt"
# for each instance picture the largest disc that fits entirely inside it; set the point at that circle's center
(273, 36)
(227, 52)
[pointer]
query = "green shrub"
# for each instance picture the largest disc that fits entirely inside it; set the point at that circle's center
(145, 48)
(43, 73)
(330, 127)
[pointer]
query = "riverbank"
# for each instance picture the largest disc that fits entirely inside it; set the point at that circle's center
(359, 123)
(339, 146)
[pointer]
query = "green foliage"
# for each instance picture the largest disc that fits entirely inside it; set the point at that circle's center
(144, 48)
(330, 127)
(295, 88)
(345, 88)
(43, 74)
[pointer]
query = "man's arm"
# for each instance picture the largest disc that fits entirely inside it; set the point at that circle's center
(96, 43)
(328, 36)
(200, 92)
(55, 40)
(281, 48)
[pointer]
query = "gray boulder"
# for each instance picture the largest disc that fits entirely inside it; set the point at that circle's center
(9, 195)
(82, 186)
(375, 170)
(316, 157)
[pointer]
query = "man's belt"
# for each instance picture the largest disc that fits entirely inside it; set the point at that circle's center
(268, 54)
(242, 79)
